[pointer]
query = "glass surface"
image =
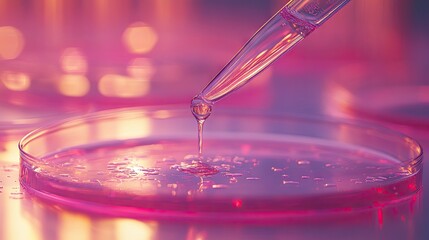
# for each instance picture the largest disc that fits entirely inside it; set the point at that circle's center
(381, 94)
(290, 25)
(141, 162)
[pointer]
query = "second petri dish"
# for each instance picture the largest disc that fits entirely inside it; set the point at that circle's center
(143, 163)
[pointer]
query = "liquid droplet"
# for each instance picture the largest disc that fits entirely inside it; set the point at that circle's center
(201, 109)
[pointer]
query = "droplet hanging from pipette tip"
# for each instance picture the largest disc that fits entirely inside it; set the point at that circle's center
(201, 109)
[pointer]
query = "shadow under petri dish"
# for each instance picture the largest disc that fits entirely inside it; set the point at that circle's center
(143, 162)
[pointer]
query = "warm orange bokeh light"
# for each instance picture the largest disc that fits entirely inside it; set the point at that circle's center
(15, 81)
(139, 38)
(113, 85)
(69, 222)
(11, 42)
(129, 229)
(141, 68)
(73, 85)
(73, 61)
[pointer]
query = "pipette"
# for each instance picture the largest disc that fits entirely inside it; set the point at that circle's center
(296, 20)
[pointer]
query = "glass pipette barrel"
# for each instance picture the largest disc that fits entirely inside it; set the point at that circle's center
(290, 25)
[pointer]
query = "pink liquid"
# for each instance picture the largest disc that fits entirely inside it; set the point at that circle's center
(251, 178)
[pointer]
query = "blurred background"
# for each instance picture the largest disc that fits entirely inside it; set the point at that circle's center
(60, 58)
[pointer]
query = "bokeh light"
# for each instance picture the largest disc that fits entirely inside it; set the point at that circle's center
(139, 38)
(15, 81)
(73, 85)
(73, 61)
(141, 68)
(114, 85)
(11, 42)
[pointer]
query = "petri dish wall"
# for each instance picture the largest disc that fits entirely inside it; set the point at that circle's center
(143, 162)
(395, 93)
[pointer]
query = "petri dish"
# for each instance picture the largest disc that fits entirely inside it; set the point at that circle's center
(143, 162)
(396, 96)
(407, 104)
(21, 120)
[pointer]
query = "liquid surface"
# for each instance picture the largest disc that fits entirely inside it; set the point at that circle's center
(244, 176)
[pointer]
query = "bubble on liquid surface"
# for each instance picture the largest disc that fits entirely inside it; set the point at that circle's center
(201, 108)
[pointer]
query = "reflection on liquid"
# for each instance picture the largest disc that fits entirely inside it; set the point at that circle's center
(11, 42)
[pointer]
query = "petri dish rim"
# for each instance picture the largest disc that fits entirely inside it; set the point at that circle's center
(173, 111)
